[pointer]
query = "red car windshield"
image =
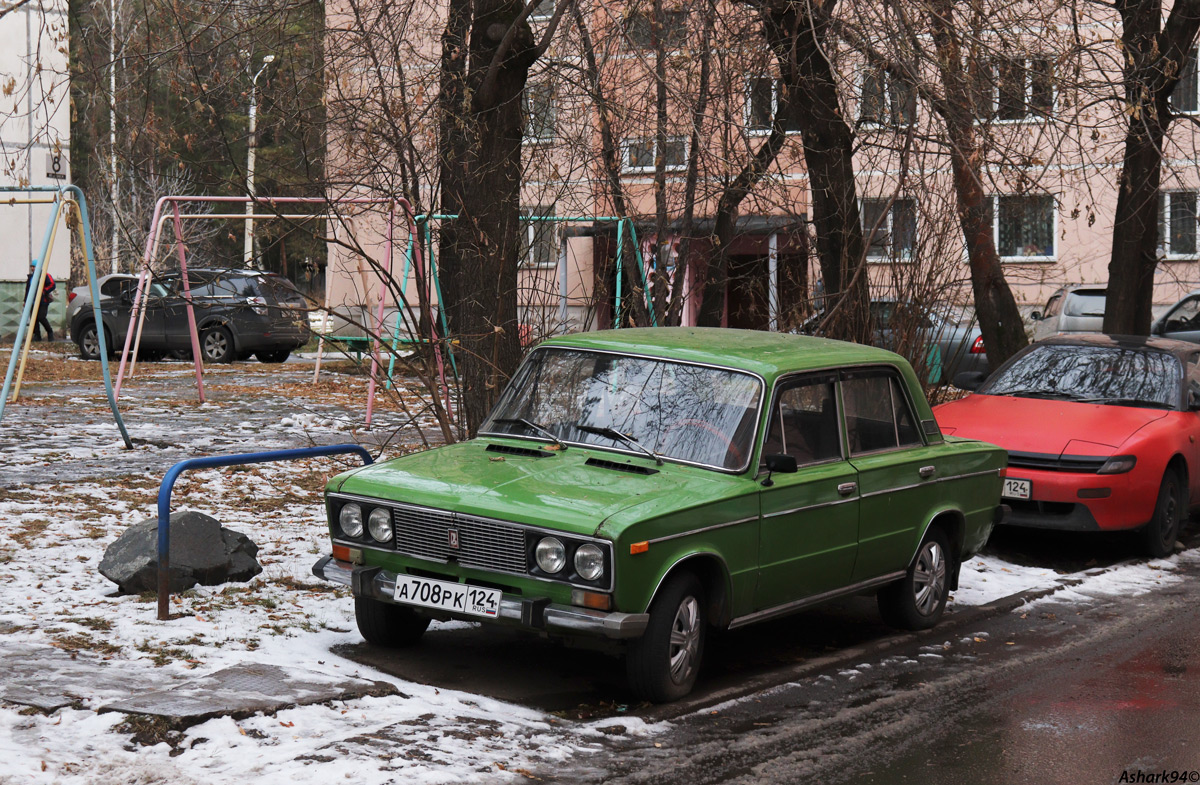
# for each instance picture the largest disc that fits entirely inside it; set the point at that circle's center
(1120, 375)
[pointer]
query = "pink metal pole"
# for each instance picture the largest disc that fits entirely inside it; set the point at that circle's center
(198, 361)
(379, 316)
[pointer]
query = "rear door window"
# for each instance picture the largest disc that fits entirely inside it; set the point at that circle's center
(878, 415)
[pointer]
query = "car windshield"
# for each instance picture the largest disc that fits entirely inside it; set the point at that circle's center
(1086, 303)
(676, 411)
(1094, 374)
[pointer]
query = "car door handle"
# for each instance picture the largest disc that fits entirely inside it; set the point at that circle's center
(847, 488)
(927, 471)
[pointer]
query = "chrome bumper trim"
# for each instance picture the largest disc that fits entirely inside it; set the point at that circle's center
(522, 612)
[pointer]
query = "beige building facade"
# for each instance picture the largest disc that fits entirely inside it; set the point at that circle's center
(1047, 115)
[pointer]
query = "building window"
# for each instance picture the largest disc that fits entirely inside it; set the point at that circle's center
(539, 240)
(538, 104)
(639, 29)
(543, 10)
(640, 154)
(1023, 227)
(1185, 97)
(889, 229)
(886, 100)
(1177, 224)
(762, 102)
(1019, 89)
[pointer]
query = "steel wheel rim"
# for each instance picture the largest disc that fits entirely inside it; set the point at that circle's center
(929, 578)
(685, 640)
(215, 345)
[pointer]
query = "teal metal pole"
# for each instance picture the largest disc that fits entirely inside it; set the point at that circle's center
(31, 297)
(94, 283)
(617, 293)
(642, 272)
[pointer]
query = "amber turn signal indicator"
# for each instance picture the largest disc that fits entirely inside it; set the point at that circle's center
(639, 547)
(341, 553)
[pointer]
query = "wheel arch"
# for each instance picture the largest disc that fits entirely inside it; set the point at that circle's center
(713, 573)
(953, 524)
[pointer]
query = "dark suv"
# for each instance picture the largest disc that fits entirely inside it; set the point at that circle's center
(238, 313)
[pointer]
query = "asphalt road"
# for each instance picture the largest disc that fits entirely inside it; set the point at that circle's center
(1061, 693)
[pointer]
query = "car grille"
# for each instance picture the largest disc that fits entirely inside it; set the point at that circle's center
(1082, 464)
(489, 544)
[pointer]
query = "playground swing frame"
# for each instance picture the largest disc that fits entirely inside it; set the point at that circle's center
(62, 198)
(141, 295)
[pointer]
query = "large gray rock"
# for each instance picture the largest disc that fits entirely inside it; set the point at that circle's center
(202, 551)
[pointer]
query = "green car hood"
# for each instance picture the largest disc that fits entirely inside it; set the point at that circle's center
(560, 491)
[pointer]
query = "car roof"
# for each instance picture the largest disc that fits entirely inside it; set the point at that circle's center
(765, 353)
(1181, 349)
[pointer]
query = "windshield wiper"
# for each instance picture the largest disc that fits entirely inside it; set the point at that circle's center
(613, 433)
(1043, 394)
(1129, 402)
(533, 427)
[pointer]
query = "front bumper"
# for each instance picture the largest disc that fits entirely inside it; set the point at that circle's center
(1073, 501)
(528, 612)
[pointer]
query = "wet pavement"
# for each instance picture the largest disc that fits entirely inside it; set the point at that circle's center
(1061, 692)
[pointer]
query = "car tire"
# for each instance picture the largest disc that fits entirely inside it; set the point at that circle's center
(89, 346)
(662, 665)
(385, 624)
(216, 345)
(1159, 535)
(184, 355)
(917, 601)
(278, 356)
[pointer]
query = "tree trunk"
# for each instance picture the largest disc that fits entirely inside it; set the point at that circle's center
(995, 307)
(1154, 59)
(798, 33)
(481, 125)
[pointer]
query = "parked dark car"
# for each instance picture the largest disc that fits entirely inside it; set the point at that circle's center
(947, 342)
(239, 313)
(110, 286)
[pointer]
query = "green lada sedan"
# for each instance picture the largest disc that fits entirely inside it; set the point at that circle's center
(641, 486)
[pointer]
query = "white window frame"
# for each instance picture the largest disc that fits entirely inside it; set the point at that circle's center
(888, 81)
(995, 202)
(1164, 223)
(748, 113)
(527, 107)
(671, 15)
(653, 142)
(1189, 64)
(542, 11)
(1031, 115)
(530, 228)
(905, 256)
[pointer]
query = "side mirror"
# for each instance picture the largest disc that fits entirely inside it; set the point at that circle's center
(1036, 316)
(784, 464)
(969, 380)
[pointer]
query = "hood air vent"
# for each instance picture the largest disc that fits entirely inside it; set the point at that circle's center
(632, 468)
(528, 453)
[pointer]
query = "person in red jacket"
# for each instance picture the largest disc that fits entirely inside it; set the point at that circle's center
(42, 306)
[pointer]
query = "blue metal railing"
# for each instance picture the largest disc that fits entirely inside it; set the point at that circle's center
(212, 461)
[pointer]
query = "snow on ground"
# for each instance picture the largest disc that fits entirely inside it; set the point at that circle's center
(53, 532)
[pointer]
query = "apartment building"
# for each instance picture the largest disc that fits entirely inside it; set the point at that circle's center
(34, 142)
(680, 106)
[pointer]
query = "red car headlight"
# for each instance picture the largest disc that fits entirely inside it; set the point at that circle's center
(1118, 464)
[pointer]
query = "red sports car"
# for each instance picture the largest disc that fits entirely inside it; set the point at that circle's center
(1101, 432)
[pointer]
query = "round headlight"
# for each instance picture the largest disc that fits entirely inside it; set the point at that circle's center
(551, 555)
(350, 519)
(589, 562)
(379, 523)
